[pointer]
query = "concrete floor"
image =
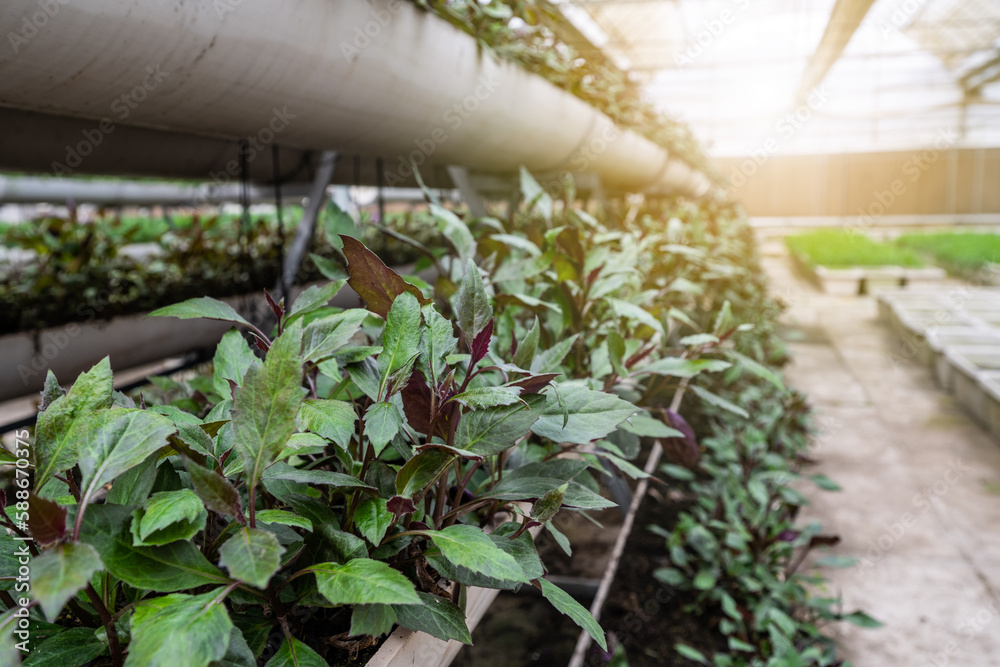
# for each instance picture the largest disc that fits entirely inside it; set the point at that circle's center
(920, 506)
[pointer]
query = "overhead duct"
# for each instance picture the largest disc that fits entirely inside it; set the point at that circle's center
(377, 79)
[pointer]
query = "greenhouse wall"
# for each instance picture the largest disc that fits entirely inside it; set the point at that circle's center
(933, 181)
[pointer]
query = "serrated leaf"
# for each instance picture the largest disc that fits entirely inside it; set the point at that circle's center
(649, 427)
(382, 423)
(584, 415)
(167, 507)
(294, 653)
(284, 518)
(57, 575)
(488, 397)
(172, 567)
(318, 477)
(526, 349)
(534, 195)
(373, 619)
(374, 282)
(718, 401)
(179, 629)
(549, 360)
(373, 519)
(51, 391)
(324, 337)
(201, 307)
(472, 304)
(683, 368)
(455, 232)
(400, 340)
(71, 648)
(437, 342)
(215, 491)
(363, 581)
(549, 505)
(232, 359)
(630, 311)
(491, 431)
(57, 431)
(469, 547)
(526, 488)
(113, 441)
(567, 605)
(437, 617)
(266, 406)
(420, 471)
(334, 420)
(252, 556)
(313, 298)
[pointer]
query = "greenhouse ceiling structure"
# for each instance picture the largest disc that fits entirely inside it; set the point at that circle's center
(820, 76)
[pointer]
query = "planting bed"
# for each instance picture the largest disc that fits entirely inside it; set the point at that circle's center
(956, 333)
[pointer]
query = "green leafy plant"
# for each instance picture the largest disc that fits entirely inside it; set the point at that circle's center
(837, 248)
(374, 465)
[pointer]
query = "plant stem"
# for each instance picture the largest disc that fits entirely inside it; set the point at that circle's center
(109, 625)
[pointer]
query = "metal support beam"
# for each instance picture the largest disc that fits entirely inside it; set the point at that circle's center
(462, 180)
(844, 21)
(304, 232)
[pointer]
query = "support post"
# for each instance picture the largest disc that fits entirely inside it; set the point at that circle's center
(460, 177)
(307, 226)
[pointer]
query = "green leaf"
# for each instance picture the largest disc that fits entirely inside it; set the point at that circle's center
(382, 423)
(591, 414)
(757, 369)
(491, 431)
(113, 441)
(401, 338)
(862, 620)
(70, 648)
(455, 232)
(179, 630)
(718, 401)
(630, 311)
(437, 342)
(488, 397)
(374, 282)
(252, 556)
(420, 471)
(616, 353)
(57, 575)
(698, 339)
(548, 361)
(825, 483)
(172, 567)
(323, 337)
(683, 368)
(364, 581)
(437, 617)
(373, 619)
(294, 653)
(284, 518)
(215, 491)
(469, 547)
(232, 359)
(132, 487)
(692, 654)
(518, 242)
(168, 507)
(534, 195)
(525, 353)
(268, 403)
(373, 519)
(201, 307)
(472, 304)
(649, 427)
(313, 298)
(330, 268)
(567, 605)
(238, 653)
(524, 488)
(334, 420)
(319, 477)
(549, 505)
(57, 431)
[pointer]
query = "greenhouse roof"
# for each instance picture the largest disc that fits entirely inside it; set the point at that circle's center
(816, 76)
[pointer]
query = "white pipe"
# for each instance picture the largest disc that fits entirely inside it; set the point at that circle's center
(379, 78)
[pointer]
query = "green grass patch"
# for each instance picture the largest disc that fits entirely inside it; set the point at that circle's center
(961, 253)
(838, 248)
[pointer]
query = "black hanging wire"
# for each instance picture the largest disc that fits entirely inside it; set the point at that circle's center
(275, 165)
(381, 193)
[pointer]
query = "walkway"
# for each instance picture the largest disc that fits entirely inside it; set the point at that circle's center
(920, 506)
